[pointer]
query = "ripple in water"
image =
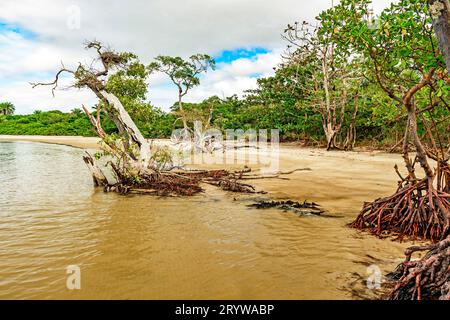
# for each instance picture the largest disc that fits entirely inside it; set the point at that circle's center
(142, 247)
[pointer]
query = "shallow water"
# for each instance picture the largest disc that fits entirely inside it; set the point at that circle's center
(142, 247)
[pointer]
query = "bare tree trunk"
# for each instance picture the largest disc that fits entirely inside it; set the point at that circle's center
(329, 113)
(95, 123)
(123, 120)
(180, 107)
(99, 178)
(351, 132)
(330, 135)
(405, 153)
(440, 13)
(421, 153)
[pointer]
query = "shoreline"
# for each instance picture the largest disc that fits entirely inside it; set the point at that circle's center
(71, 141)
(341, 181)
(92, 143)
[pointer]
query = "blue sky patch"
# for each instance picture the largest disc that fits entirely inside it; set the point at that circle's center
(228, 56)
(7, 27)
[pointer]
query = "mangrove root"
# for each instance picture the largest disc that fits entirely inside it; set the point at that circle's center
(165, 183)
(427, 278)
(416, 210)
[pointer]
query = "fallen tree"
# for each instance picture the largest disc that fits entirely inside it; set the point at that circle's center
(135, 166)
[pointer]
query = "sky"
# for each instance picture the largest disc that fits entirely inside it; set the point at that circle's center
(244, 36)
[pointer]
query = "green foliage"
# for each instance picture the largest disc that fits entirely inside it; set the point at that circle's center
(47, 123)
(76, 123)
(6, 108)
(398, 48)
(392, 51)
(183, 73)
(162, 156)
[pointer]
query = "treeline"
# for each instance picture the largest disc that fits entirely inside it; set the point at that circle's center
(272, 106)
(76, 123)
(342, 82)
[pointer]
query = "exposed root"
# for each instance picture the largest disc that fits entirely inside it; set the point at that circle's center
(97, 175)
(443, 177)
(416, 210)
(159, 184)
(232, 185)
(224, 179)
(305, 208)
(427, 278)
(166, 183)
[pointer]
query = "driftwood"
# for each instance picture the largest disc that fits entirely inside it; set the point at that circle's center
(275, 175)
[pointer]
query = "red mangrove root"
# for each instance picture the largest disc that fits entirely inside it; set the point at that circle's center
(417, 210)
(426, 278)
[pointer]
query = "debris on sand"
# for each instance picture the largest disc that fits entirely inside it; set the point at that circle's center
(305, 208)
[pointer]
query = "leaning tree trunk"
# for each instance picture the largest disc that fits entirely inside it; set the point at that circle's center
(125, 124)
(98, 176)
(440, 13)
(420, 150)
(148, 179)
(133, 163)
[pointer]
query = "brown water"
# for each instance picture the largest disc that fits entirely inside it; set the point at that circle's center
(141, 247)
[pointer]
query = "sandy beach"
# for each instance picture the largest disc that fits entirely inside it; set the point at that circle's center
(73, 141)
(338, 180)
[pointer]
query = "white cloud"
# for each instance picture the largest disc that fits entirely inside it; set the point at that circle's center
(40, 98)
(147, 27)
(228, 79)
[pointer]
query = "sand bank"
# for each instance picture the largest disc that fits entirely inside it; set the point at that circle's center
(73, 141)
